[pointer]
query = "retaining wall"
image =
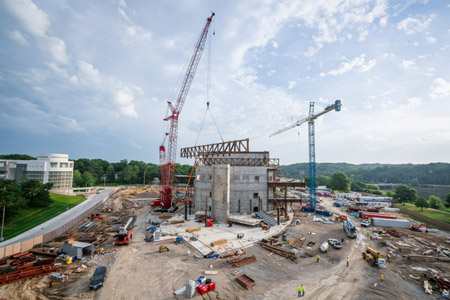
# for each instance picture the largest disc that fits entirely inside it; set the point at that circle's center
(47, 237)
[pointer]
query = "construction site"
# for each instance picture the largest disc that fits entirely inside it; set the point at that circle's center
(237, 230)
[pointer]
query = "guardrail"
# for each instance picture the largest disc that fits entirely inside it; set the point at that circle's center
(41, 239)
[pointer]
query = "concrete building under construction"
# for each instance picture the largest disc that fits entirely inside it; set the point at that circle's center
(230, 179)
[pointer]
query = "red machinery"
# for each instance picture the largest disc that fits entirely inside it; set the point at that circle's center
(124, 235)
(417, 226)
(167, 161)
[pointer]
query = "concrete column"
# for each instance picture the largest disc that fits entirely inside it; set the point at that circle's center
(220, 200)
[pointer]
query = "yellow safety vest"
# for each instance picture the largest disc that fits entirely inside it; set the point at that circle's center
(299, 288)
(303, 288)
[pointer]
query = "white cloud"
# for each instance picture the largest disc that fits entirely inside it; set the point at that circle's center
(274, 44)
(124, 100)
(57, 48)
(441, 89)
(414, 101)
(292, 84)
(18, 37)
(408, 64)
(30, 16)
(431, 39)
(357, 62)
(271, 72)
(91, 74)
(412, 25)
(363, 35)
(36, 22)
(383, 21)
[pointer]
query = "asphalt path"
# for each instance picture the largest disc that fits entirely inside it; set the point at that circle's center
(61, 219)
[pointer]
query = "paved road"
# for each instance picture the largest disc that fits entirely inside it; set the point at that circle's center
(60, 219)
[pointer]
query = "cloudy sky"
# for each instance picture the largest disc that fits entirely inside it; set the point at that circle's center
(92, 78)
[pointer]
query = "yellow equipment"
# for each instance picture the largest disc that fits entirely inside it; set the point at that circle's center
(163, 249)
(374, 258)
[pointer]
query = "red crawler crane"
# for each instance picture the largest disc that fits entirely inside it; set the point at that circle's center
(167, 160)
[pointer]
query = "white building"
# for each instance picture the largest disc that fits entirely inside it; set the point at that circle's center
(53, 168)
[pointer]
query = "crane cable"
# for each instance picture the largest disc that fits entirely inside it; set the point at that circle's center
(208, 94)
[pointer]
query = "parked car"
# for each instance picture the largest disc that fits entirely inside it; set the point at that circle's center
(335, 243)
(98, 278)
(365, 223)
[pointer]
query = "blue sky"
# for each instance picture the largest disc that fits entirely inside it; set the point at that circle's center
(91, 78)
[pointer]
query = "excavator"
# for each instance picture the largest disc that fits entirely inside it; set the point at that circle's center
(417, 226)
(374, 258)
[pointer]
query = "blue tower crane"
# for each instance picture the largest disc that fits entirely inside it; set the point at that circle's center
(312, 146)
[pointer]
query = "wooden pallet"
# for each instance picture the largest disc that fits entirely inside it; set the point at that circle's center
(298, 243)
(245, 281)
(243, 261)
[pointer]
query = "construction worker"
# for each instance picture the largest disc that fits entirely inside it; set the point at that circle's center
(389, 257)
(347, 261)
(382, 277)
(303, 290)
(299, 291)
(368, 232)
(318, 257)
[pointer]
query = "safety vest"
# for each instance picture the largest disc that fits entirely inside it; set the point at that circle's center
(347, 259)
(303, 288)
(299, 288)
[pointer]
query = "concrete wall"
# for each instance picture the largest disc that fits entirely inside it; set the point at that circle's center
(220, 200)
(248, 186)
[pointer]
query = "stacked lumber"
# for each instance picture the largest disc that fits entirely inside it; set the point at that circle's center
(298, 243)
(193, 229)
(279, 250)
(219, 242)
(177, 221)
(240, 261)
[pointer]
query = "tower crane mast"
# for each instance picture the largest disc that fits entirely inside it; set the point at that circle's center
(168, 159)
(312, 145)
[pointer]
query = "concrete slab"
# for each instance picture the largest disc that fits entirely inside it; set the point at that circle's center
(207, 235)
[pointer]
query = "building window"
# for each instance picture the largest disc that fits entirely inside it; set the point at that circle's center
(63, 165)
(71, 165)
(255, 195)
(210, 177)
(53, 164)
(257, 178)
(210, 194)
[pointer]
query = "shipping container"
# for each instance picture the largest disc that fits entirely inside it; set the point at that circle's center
(390, 223)
(367, 215)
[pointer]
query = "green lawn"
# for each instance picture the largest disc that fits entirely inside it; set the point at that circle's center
(432, 213)
(28, 218)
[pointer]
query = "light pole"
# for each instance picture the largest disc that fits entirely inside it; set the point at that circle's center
(3, 222)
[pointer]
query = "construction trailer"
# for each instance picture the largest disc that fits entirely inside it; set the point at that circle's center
(78, 249)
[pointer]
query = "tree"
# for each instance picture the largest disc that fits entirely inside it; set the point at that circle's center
(447, 200)
(110, 173)
(339, 182)
(77, 179)
(88, 179)
(421, 202)
(434, 201)
(11, 197)
(30, 191)
(404, 193)
(414, 182)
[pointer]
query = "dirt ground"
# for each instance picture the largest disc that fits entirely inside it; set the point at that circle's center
(139, 271)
